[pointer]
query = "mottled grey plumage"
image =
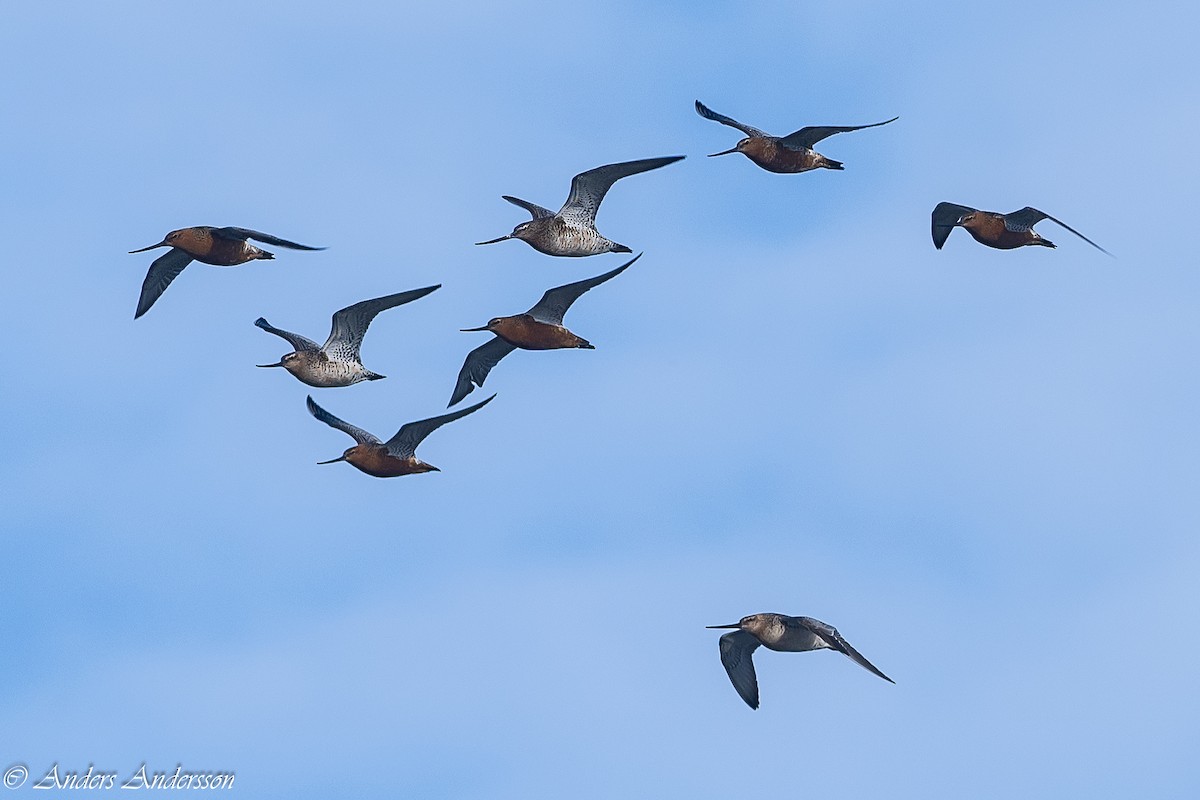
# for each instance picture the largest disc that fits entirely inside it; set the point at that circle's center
(547, 311)
(572, 231)
(782, 633)
(337, 362)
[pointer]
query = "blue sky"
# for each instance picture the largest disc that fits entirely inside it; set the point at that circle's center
(981, 466)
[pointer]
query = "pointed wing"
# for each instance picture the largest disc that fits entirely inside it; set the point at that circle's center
(805, 138)
(299, 343)
(360, 436)
(708, 113)
(831, 637)
(242, 234)
(477, 366)
(737, 648)
(1027, 217)
(556, 301)
(351, 323)
(944, 217)
(405, 442)
(588, 188)
(164, 270)
(533, 208)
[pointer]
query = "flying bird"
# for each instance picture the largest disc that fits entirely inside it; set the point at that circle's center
(1002, 231)
(398, 455)
(791, 153)
(572, 231)
(784, 634)
(222, 247)
(337, 362)
(539, 328)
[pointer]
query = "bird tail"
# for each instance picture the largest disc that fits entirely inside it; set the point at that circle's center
(831, 164)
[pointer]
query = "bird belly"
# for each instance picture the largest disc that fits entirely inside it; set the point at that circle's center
(786, 161)
(529, 334)
(329, 376)
(228, 252)
(570, 241)
(797, 642)
(993, 233)
(381, 464)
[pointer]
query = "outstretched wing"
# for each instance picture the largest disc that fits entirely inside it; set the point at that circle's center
(242, 234)
(555, 302)
(737, 649)
(708, 113)
(404, 443)
(588, 188)
(164, 270)
(533, 208)
(805, 138)
(1027, 217)
(945, 215)
(360, 436)
(351, 323)
(477, 366)
(831, 637)
(299, 343)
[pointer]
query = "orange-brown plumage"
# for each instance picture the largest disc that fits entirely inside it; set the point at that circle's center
(374, 459)
(221, 247)
(1001, 231)
(528, 333)
(989, 229)
(398, 455)
(774, 157)
(539, 328)
(783, 154)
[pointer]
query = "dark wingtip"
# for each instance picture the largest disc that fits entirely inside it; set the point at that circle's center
(261, 322)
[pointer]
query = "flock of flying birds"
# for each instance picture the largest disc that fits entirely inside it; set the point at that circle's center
(569, 232)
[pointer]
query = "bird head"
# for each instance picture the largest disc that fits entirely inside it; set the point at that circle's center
(288, 362)
(737, 148)
(492, 324)
(168, 241)
(346, 456)
(519, 232)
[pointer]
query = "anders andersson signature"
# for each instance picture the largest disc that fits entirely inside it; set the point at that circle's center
(141, 778)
